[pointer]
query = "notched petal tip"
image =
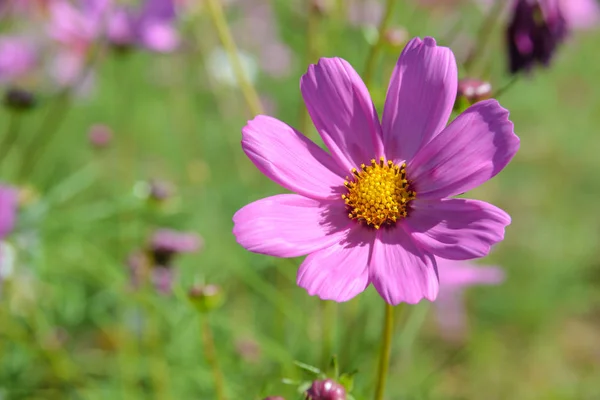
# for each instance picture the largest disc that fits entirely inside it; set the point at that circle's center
(429, 41)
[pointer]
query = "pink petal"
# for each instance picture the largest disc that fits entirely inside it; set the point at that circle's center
(459, 274)
(341, 109)
(420, 98)
(291, 160)
(581, 14)
(159, 36)
(451, 315)
(289, 225)
(471, 150)
(457, 229)
(8, 209)
(400, 271)
(341, 271)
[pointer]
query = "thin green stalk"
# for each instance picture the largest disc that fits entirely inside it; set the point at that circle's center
(210, 351)
(328, 318)
(385, 352)
(506, 87)
(48, 128)
(485, 33)
(12, 132)
(376, 47)
(312, 25)
(250, 95)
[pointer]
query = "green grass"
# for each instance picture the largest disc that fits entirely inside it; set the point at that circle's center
(71, 327)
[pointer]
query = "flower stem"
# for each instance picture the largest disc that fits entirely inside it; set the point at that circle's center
(506, 87)
(312, 23)
(386, 349)
(10, 137)
(210, 351)
(216, 14)
(48, 129)
(328, 318)
(485, 33)
(376, 47)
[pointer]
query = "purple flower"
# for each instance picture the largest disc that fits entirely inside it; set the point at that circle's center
(151, 26)
(455, 276)
(166, 243)
(379, 206)
(76, 30)
(578, 14)
(535, 30)
(327, 389)
(18, 57)
(8, 209)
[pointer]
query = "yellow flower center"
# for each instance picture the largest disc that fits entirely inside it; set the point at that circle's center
(378, 194)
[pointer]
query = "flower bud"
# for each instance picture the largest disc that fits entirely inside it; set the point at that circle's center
(160, 190)
(100, 136)
(535, 30)
(473, 90)
(326, 389)
(206, 297)
(19, 99)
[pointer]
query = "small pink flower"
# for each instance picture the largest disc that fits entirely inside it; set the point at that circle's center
(151, 26)
(455, 276)
(18, 58)
(75, 29)
(8, 209)
(100, 136)
(379, 206)
(172, 241)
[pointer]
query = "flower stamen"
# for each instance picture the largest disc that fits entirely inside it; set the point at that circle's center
(378, 194)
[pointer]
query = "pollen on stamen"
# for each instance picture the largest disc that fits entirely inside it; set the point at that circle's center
(378, 194)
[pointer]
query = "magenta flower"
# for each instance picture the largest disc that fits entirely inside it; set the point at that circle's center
(18, 57)
(151, 26)
(455, 276)
(172, 241)
(75, 29)
(379, 207)
(8, 209)
(581, 14)
(578, 14)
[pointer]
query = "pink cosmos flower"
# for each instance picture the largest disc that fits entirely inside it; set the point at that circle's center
(76, 29)
(18, 57)
(455, 276)
(379, 206)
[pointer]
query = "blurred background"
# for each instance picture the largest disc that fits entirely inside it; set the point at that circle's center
(120, 142)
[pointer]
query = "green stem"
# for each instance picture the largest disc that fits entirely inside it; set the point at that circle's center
(328, 312)
(210, 351)
(48, 129)
(10, 137)
(485, 33)
(312, 24)
(386, 350)
(506, 87)
(376, 47)
(250, 95)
